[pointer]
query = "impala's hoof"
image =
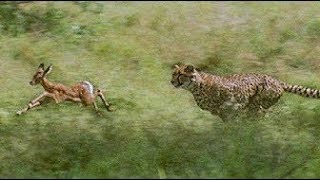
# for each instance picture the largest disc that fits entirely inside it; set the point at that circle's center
(98, 113)
(19, 113)
(110, 109)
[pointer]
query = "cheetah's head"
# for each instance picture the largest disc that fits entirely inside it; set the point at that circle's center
(184, 76)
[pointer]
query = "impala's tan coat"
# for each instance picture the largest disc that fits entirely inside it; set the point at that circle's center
(81, 92)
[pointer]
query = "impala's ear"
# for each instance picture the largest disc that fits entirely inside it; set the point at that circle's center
(189, 68)
(48, 70)
(41, 66)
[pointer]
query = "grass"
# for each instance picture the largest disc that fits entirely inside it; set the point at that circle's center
(157, 131)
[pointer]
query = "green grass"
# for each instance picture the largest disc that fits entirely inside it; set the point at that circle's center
(157, 131)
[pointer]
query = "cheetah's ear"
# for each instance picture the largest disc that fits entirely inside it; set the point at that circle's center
(189, 69)
(176, 66)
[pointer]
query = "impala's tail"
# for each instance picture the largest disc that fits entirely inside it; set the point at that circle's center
(302, 91)
(88, 86)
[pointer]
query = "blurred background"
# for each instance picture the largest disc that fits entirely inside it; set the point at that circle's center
(128, 49)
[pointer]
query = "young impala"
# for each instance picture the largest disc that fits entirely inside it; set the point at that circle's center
(82, 92)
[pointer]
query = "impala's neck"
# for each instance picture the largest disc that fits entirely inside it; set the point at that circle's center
(47, 85)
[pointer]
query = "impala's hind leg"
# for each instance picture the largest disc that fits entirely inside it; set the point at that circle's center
(95, 106)
(106, 104)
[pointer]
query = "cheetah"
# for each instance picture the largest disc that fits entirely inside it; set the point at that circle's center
(234, 95)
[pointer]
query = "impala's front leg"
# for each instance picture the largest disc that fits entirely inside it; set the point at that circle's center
(36, 102)
(44, 94)
(30, 105)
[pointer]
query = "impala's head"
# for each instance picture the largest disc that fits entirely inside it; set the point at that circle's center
(184, 76)
(40, 74)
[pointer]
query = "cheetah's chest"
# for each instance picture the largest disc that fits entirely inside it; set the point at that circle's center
(207, 99)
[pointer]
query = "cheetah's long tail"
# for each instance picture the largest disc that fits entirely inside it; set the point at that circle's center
(301, 90)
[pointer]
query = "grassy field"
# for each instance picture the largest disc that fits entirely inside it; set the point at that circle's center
(157, 131)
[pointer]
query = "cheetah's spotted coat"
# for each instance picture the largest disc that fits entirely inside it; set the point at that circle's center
(230, 96)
